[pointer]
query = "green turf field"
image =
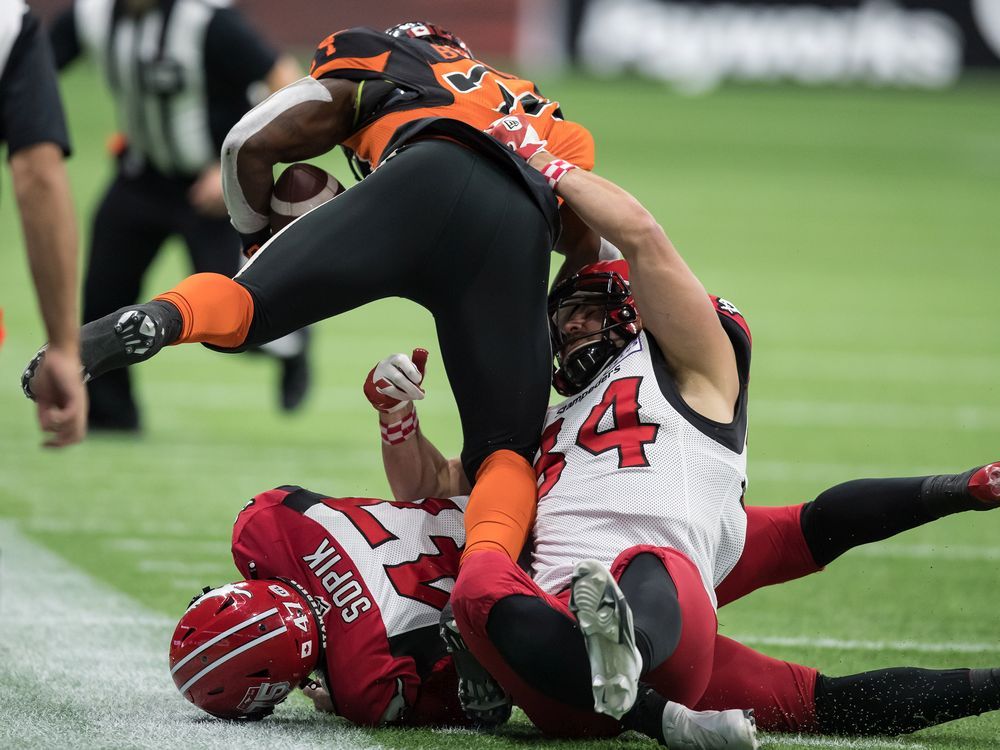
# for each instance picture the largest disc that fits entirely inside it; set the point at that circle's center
(858, 231)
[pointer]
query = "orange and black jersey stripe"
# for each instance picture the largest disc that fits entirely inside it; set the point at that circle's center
(437, 81)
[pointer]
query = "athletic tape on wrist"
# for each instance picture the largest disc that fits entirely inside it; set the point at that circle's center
(395, 433)
(555, 170)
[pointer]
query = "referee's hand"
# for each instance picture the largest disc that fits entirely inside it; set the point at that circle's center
(61, 396)
(206, 194)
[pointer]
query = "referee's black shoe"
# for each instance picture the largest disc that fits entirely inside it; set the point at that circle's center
(296, 376)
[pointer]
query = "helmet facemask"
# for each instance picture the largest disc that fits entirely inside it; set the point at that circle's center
(577, 364)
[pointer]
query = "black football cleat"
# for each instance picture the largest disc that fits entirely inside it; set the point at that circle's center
(127, 336)
(483, 699)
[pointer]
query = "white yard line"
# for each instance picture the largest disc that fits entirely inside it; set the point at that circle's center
(941, 551)
(872, 415)
(82, 665)
(862, 645)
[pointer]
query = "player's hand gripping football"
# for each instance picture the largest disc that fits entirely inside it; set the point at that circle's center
(517, 135)
(395, 381)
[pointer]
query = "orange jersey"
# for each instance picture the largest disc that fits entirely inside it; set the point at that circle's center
(436, 80)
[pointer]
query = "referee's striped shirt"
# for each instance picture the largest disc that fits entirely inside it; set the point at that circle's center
(182, 73)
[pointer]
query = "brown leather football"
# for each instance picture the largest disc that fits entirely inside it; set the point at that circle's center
(298, 190)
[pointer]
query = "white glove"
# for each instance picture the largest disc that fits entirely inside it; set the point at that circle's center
(395, 381)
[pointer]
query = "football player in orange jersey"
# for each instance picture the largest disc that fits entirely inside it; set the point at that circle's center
(523, 631)
(448, 218)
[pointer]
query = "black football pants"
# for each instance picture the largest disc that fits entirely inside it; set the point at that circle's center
(447, 228)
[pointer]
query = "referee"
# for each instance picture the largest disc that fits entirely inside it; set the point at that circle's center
(33, 126)
(182, 73)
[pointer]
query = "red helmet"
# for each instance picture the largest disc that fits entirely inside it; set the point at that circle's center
(429, 32)
(603, 284)
(240, 649)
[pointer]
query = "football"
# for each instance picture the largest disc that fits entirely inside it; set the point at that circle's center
(298, 190)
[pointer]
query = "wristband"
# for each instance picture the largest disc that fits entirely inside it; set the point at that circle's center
(555, 170)
(395, 433)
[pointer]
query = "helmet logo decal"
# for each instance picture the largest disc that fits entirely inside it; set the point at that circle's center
(264, 695)
(230, 589)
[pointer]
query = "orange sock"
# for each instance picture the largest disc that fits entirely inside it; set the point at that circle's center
(501, 509)
(215, 309)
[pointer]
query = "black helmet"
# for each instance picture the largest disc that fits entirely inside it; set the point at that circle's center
(428, 32)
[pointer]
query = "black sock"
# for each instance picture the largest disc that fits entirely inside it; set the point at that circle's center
(646, 715)
(860, 512)
(656, 612)
(903, 700)
(544, 647)
(945, 494)
(167, 316)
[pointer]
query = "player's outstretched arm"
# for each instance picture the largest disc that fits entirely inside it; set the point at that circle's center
(413, 465)
(673, 304)
(300, 121)
(50, 237)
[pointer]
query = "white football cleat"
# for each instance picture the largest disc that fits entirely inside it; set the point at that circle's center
(684, 729)
(606, 622)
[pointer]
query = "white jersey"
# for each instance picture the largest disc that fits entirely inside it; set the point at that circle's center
(626, 462)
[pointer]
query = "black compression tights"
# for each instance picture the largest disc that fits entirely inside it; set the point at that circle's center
(903, 700)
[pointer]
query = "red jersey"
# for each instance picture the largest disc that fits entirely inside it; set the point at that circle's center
(381, 572)
(436, 80)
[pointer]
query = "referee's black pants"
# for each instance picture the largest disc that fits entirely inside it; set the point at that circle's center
(449, 229)
(136, 216)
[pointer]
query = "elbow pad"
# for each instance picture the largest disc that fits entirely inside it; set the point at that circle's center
(244, 217)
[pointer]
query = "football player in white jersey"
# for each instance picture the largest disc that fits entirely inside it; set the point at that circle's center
(643, 468)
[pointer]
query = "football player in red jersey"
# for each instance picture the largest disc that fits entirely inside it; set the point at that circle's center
(641, 389)
(370, 575)
(349, 587)
(448, 219)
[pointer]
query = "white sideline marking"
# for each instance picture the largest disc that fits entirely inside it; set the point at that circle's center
(836, 471)
(874, 415)
(82, 665)
(860, 744)
(176, 567)
(860, 645)
(936, 552)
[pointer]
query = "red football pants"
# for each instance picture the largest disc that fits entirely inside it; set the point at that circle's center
(706, 671)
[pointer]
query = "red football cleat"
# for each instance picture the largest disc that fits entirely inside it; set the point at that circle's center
(984, 485)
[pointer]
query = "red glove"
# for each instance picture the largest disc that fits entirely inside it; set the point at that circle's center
(517, 135)
(395, 381)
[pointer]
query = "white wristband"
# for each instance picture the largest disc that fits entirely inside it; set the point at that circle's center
(555, 170)
(395, 433)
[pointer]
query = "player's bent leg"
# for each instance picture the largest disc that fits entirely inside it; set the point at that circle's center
(903, 700)
(781, 694)
(775, 551)
(684, 674)
(606, 622)
(529, 642)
